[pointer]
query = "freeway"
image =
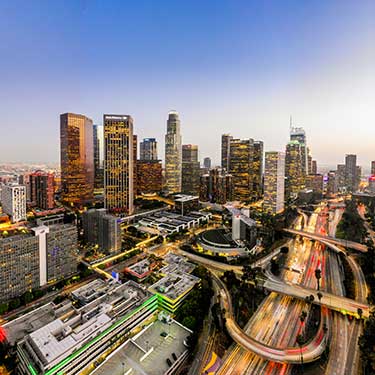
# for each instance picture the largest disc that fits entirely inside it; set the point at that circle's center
(333, 240)
(311, 351)
(338, 303)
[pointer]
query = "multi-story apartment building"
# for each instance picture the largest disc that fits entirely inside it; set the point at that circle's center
(118, 164)
(77, 159)
(13, 200)
(42, 190)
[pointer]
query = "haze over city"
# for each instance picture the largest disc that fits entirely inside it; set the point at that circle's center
(242, 67)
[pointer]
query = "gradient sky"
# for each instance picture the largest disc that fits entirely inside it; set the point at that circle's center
(226, 66)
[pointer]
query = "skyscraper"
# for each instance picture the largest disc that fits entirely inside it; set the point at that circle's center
(225, 146)
(216, 186)
(241, 154)
(295, 179)
(98, 169)
(314, 167)
(149, 176)
(373, 168)
(351, 172)
(148, 149)
(299, 134)
(173, 154)
(135, 156)
(257, 169)
(118, 164)
(274, 180)
(207, 163)
(190, 169)
(77, 158)
(42, 190)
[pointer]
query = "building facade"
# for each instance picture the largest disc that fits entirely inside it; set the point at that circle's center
(351, 173)
(173, 154)
(149, 176)
(274, 182)
(13, 200)
(118, 164)
(225, 147)
(190, 170)
(77, 159)
(148, 149)
(257, 169)
(42, 190)
(294, 172)
(298, 134)
(98, 166)
(207, 163)
(216, 186)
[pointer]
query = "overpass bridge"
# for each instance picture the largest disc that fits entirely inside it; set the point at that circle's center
(333, 240)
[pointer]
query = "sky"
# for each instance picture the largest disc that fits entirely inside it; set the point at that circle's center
(239, 67)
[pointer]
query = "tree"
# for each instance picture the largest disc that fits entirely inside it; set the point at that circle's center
(320, 295)
(318, 275)
(3, 308)
(360, 312)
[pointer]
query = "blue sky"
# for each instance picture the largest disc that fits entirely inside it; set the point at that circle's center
(227, 66)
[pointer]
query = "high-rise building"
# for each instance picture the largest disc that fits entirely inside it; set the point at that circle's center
(314, 182)
(241, 153)
(340, 177)
(42, 190)
(207, 163)
(148, 149)
(173, 154)
(351, 172)
(257, 169)
(34, 258)
(225, 146)
(216, 186)
(274, 182)
(118, 164)
(295, 178)
(149, 176)
(102, 229)
(77, 158)
(373, 168)
(13, 200)
(98, 167)
(190, 170)
(309, 162)
(314, 167)
(299, 134)
(135, 156)
(24, 179)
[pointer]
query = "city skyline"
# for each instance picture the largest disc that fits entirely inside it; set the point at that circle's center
(286, 59)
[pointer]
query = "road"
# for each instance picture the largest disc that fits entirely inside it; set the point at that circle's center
(333, 240)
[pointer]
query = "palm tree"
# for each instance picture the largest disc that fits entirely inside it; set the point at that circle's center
(318, 275)
(360, 312)
(320, 295)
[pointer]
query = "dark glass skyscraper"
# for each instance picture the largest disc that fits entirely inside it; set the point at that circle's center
(190, 169)
(148, 149)
(225, 146)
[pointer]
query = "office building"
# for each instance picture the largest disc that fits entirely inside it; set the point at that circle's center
(190, 170)
(241, 153)
(24, 179)
(173, 154)
(373, 168)
(135, 156)
(225, 147)
(149, 176)
(207, 163)
(34, 258)
(341, 177)
(351, 173)
(42, 192)
(332, 187)
(371, 184)
(77, 159)
(148, 149)
(13, 201)
(274, 182)
(100, 228)
(81, 336)
(118, 164)
(314, 167)
(257, 169)
(216, 186)
(314, 182)
(98, 165)
(294, 174)
(299, 135)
